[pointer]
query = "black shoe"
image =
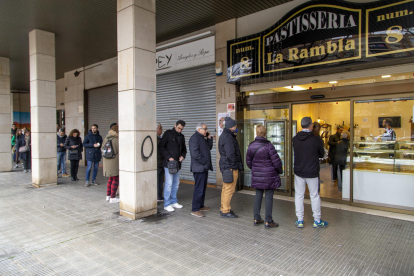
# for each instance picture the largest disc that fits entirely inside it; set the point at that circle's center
(76, 178)
(258, 222)
(271, 224)
(229, 215)
(73, 179)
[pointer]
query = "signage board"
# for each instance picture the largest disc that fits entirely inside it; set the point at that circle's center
(324, 34)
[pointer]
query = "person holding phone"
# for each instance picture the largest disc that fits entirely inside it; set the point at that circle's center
(92, 144)
(74, 146)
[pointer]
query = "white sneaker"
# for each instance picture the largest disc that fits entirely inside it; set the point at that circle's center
(16, 166)
(169, 208)
(177, 206)
(114, 200)
(108, 198)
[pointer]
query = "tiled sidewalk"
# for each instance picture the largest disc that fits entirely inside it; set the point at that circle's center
(71, 230)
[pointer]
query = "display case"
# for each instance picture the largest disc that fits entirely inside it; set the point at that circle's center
(276, 135)
(384, 156)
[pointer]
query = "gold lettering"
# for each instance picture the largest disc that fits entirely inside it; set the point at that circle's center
(317, 51)
(350, 45)
(293, 53)
(401, 13)
(397, 35)
(279, 58)
(244, 63)
(341, 45)
(303, 53)
(269, 58)
(331, 47)
(380, 18)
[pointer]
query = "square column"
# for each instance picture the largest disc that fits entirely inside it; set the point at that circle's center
(5, 116)
(137, 108)
(43, 107)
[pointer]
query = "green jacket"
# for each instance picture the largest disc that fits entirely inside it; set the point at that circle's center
(13, 140)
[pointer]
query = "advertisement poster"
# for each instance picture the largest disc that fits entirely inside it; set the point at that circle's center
(231, 107)
(221, 122)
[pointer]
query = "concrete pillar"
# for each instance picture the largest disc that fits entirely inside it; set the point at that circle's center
(225, 92)
(137, 107)
(43, 107)
(5, 116)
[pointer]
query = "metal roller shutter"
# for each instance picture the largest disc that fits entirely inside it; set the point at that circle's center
(189, 95)
(102, 107)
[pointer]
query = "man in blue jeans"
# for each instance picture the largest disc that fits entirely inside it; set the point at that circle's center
(61, 152)
(172, 146)
(93, 154)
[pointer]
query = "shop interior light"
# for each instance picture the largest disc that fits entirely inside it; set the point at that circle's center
(332, 82)
(385, 76)
(295, 88)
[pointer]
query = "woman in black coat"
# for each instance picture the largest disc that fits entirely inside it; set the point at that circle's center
(25, 153)
(74, 145)
(341, 156)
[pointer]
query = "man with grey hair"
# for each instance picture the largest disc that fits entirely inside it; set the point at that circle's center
(200, 144)
(160, 167)
(307, 150)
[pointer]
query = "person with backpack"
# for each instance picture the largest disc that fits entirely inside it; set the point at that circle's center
(110, 150)
(74, 146)
(266, 166)
(93, 154)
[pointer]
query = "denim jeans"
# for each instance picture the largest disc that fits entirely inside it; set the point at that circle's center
(172, 181)
(89, 168)
(61, 161)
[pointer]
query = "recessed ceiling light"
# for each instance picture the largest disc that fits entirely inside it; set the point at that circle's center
(333, 82)
(386, 76)
(295, 88)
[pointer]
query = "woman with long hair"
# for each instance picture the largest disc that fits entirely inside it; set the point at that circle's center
(74, 145)
(266, 166)
(15, 139)
(24, 148)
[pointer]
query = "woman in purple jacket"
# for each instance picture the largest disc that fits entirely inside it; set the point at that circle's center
(266, 167)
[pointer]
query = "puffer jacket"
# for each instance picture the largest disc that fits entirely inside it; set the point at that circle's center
(266, 165)
(111, 166)
(74, 154)
(230, 156)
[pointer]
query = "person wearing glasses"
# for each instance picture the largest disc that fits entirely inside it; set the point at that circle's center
(200, 144)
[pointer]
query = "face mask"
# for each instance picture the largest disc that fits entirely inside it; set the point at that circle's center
(237, 130)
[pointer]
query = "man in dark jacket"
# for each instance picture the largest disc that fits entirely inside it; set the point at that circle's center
(200, 144)
(172, 147)
(307, 150)
(333, 141)
(160, 167)
(61, 152)
(230, 165)
(93, 154)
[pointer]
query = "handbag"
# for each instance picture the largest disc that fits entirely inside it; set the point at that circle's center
(173, 167)
(228, 176)
(23, 149)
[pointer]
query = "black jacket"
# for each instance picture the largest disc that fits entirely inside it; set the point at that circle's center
(342, 152)
(230, 156)
(307, 150)
(333, 141)
(61, 140)
(200, 148)
(172, 145)
(74, 154)
(160, 159)
(91, 153)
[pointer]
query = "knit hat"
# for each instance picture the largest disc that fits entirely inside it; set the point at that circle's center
(229, 122)
(113, 124)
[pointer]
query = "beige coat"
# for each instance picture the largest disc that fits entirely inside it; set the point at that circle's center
(111, 166)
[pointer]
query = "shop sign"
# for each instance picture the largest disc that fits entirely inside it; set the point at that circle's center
(185, 56)
(325, 33)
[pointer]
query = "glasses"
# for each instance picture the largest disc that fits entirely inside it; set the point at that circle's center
(204, 128)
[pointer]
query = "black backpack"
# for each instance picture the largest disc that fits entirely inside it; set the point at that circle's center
(107, 150)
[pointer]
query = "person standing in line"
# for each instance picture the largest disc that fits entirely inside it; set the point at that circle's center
(333, 141)
(307, 150)
(24, 147)
(13, 130)
(93, 154)
(61, 152)
(200, 144)
(230, 165)
(111, 165)
(172, 146)
(74, 146)
(341, 156)
(160, 167)
(266, 166)
(16, 156)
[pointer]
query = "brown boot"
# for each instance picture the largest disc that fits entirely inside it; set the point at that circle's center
(197, 214)
(271, 224)
(205, 209)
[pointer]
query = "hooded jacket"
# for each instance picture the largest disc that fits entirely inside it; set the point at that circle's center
(91, 153)
(307, 150)
(230, 156)
(266, 165)
(111, 166)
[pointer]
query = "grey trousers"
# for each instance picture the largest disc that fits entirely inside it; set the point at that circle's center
(268, 204)
(300, 188)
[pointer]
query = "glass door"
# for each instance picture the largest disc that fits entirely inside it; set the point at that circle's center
(276, 135)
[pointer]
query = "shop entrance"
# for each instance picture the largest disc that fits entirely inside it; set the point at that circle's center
(333, 118)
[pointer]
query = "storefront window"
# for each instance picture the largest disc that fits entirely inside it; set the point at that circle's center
(275, 119)
(383, 153)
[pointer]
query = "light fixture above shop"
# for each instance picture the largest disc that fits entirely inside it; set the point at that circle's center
(295, 88)
(386, 76)
(333, 82)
